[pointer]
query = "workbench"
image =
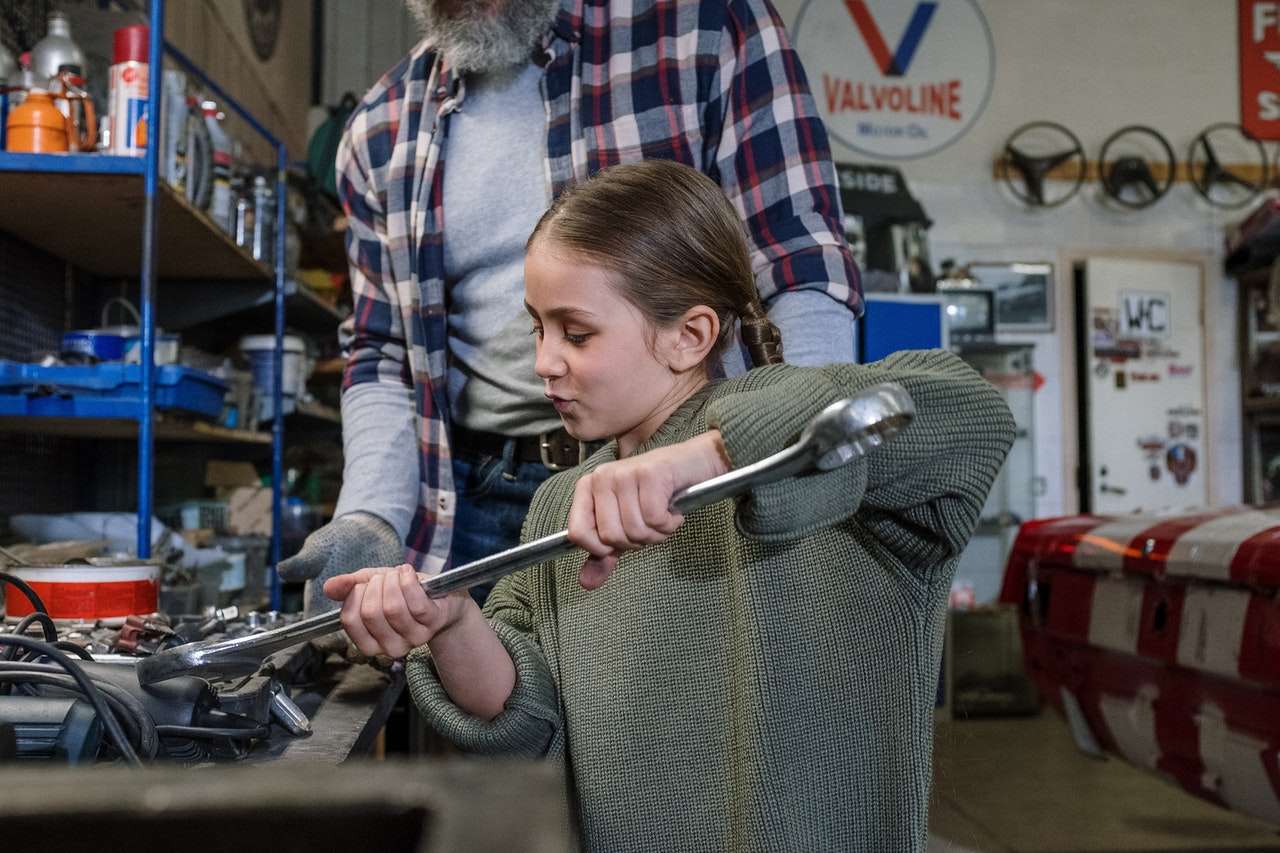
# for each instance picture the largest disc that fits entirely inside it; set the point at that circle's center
(346, 711)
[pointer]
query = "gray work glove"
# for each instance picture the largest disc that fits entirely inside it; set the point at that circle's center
(347, 544)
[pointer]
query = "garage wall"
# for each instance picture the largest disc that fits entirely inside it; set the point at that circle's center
(215, 35)
(1095, 66)
(362, 40)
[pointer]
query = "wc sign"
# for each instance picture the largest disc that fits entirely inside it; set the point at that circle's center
(1259, 32)
(896, 79)
(1144, 314)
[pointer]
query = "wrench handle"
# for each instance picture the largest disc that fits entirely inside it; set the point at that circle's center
(776, 467)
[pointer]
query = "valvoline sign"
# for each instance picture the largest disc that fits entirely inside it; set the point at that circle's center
(896, 79)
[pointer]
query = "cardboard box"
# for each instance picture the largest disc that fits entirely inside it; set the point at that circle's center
(249, 510)
(221, 474)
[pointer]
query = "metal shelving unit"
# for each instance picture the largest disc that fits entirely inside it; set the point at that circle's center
(124, 196)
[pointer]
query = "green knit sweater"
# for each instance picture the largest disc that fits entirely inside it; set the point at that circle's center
(765, 678)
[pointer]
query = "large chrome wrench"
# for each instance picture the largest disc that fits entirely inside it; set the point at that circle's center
(840, 433)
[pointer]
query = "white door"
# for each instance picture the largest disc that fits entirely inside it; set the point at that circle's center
(1144, 385)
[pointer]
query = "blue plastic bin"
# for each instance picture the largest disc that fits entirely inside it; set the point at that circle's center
(104, 390)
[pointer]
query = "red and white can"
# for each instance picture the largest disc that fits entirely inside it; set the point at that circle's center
(127, 104)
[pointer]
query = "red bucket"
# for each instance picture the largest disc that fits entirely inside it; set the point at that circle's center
(87, 593)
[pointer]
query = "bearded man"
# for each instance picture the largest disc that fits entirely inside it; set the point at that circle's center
(444, 169)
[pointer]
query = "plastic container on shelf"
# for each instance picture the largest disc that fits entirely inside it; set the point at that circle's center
(121, 342)
(196, 514)
(104, 390)
(260, 351)
(254, 550)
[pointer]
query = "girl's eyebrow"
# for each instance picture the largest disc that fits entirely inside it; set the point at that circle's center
(561, 311)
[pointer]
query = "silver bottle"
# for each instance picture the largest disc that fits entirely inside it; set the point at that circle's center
(55, 50)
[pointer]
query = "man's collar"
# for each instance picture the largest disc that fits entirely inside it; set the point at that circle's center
(568, 22)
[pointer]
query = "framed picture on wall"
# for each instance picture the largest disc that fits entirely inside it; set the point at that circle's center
(1024, 293)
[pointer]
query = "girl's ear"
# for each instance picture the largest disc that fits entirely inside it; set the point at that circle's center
(693, 337)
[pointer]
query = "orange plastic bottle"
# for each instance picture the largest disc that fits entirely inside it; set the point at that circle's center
(37, 125)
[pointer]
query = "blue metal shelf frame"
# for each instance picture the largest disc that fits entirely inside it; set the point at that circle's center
(76, 164)
(148, 167)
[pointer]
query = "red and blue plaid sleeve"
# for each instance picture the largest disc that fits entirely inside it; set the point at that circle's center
(774, 161)
(373, 337)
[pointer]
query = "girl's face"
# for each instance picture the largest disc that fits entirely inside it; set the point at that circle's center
(606, 369)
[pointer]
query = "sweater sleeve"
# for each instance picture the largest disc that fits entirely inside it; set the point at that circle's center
(530, 719)
(920, 494)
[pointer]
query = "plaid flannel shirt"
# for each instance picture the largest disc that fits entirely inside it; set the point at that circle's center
(714, 84)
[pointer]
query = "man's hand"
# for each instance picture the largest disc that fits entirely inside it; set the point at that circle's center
(626, 504)
(386, 612)
(346, 544)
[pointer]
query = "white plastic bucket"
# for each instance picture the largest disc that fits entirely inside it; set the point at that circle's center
(260, 350)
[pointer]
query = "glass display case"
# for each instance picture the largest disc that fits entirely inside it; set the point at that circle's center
(1011, 368)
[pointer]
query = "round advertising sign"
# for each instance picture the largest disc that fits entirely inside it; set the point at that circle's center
(894, 78)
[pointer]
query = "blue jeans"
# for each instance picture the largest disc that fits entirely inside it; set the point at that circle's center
(494, 493)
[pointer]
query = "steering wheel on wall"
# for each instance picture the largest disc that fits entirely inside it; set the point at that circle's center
(1217, 183)
(1032, 153)
(1129, 179)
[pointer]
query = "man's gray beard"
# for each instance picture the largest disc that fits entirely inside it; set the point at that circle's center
(476, 41)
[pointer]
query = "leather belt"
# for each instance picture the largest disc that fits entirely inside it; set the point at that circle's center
(555, 449)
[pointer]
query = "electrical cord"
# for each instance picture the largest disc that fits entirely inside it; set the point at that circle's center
(50, 629)
(91, 691)
(26, 590)
(138, 724)
(32, 597)
(130, 708)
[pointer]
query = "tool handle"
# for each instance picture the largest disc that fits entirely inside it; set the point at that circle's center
(770, 469)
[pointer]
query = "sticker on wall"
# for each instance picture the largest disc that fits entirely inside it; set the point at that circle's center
(1152, 446)
(896, 79)
(1181, 462)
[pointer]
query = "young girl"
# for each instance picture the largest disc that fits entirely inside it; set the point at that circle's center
(761, 676)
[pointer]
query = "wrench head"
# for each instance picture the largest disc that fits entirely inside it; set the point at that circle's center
(850, 428)
(206, 658)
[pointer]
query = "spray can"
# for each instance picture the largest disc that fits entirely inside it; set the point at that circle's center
(243, 230)
(127, 93)
(264, 219)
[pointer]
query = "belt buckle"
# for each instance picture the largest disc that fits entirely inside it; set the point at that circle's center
(545, 452)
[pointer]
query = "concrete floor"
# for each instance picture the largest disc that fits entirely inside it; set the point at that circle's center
(1021, 786)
